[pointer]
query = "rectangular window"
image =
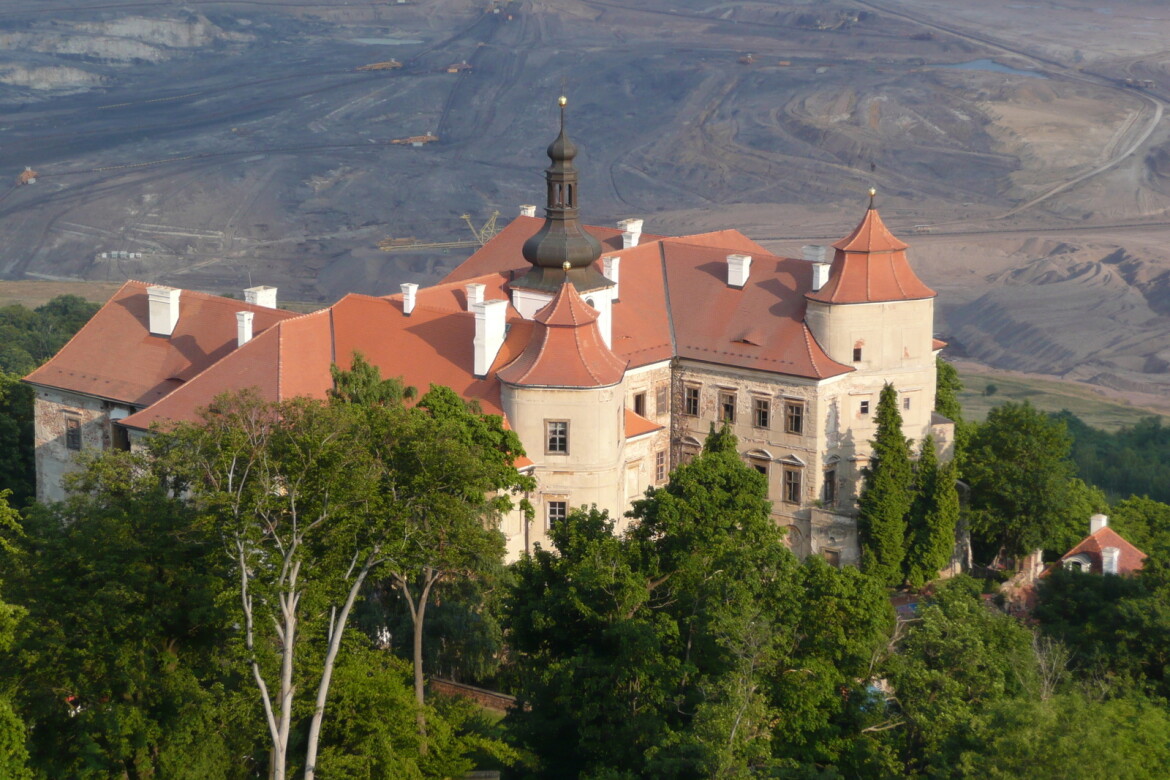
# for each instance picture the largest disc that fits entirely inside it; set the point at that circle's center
(792, 486)
(727, 407)
(119, 437)
(829, 491)
(557, 512)
(687, 454)
(72, 433)
(864, 408)
(794, 418)
(761, 412)
(691, 401)
(660, 466)
(857, 354)
(906, 403)
(557, 438)
(760, 465)
(640, 404)
(662, 398)
(832, 557)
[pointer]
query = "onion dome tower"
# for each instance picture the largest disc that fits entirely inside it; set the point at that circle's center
(561, 239)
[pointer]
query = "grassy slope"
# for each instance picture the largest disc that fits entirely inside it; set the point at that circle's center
(1048, 395)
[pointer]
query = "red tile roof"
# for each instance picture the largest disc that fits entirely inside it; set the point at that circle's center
(503, 253)
(1130, 559)
(115, 357)
(637, 425)
(760, 325)
(566, 348)
(870, 266)
(431, 346)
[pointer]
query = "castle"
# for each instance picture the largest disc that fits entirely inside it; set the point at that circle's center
(609, 351)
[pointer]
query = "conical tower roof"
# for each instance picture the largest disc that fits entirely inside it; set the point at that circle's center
(566, 348)
(562, 239)
(870, 266)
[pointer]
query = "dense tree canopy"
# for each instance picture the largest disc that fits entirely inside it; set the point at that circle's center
(696, 636)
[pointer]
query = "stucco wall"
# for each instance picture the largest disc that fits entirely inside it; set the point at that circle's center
(51, 409)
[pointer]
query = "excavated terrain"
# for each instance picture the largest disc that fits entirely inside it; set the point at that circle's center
(1019, 147)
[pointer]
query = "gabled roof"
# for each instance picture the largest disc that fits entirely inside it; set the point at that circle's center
(566, 348)
(433, 345)
(1129, 559)
(674, 301)
(870, 266)
(115, 356)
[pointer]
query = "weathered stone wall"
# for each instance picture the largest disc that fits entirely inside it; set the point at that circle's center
(52, 409)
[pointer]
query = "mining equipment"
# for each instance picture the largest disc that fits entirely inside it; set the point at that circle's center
(387, 65)
(459, 67)
(482, 236)
(417, 140)
(27, 176)
(747, 59)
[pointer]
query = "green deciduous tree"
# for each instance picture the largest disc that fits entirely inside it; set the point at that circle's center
(952, 666)
(1019, 470)
(696, 636)
(887, 496)
(313, 499)
(120, 660)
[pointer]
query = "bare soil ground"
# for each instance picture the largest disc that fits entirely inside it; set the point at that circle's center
(217, 145)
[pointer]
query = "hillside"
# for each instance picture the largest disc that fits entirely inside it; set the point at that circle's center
(218, 145)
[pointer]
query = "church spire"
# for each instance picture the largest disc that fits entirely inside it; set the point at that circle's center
(562, 239)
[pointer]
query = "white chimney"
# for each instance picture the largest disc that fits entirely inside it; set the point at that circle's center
(408, 293)
(489, 333)
(738, 269)
(474, 295)
(815, 254)
(1097, 522)
(164, 309)
(261, 296)
(632, 232)
(244, 327)
(611, 269)
(528, 210)
(1109, 558)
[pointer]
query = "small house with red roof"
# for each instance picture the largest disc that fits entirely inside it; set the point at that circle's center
(1103, 551)
(610, 352)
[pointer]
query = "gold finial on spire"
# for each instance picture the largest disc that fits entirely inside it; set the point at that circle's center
(566, 265)
(562, 101)
(872, 194)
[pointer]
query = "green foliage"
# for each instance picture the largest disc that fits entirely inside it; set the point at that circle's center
(1132, 461)
(32, 337)
(1073, 734)
(1019, 471)
(1144, 522)
(1115, 627)
(363, 384)
(696, 637)
(120, 657)
(932, 519)
(946, 397)
(955, 663)
(887, 496)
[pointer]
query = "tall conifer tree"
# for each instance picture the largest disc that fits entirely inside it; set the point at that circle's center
(887, 495)
(930, 535)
